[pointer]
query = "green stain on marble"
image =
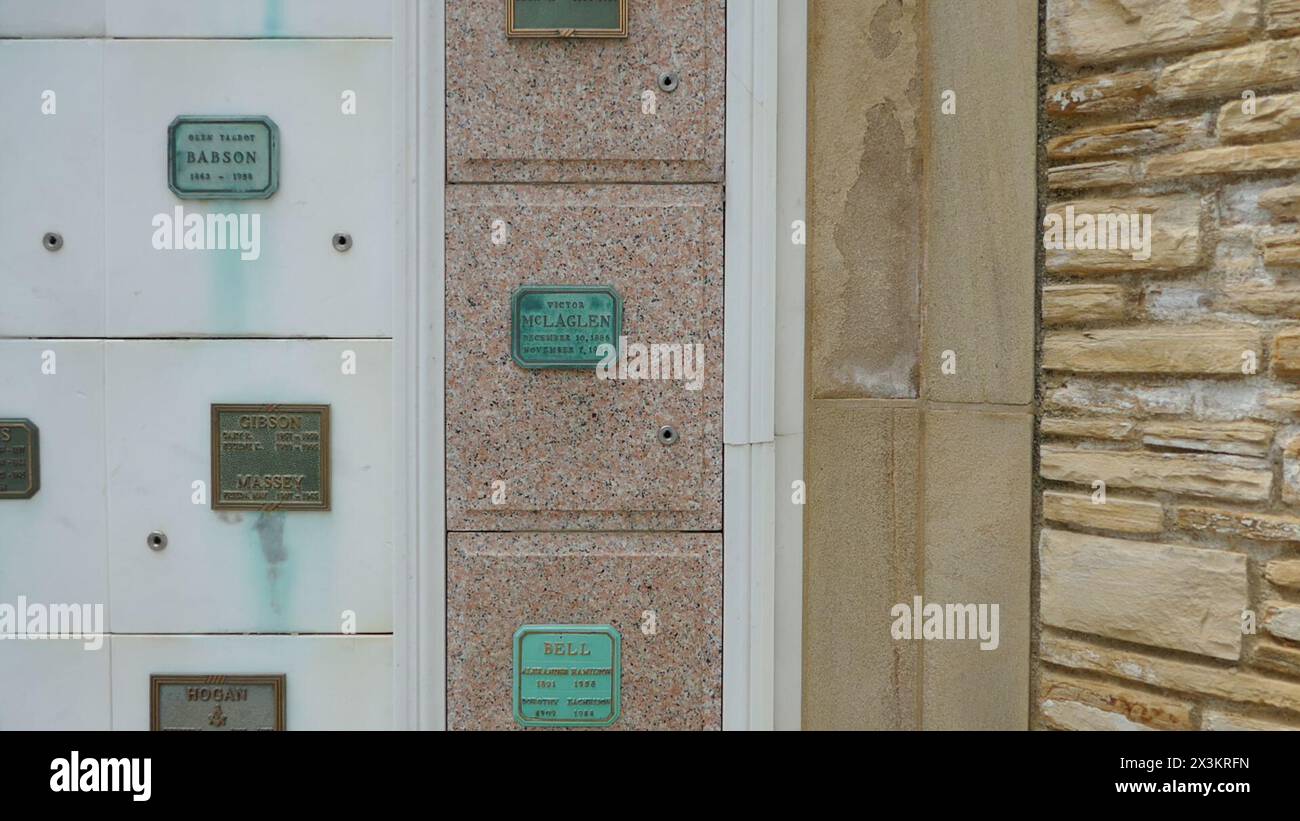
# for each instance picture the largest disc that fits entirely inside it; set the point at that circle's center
(271, 560)
(228, 283)
(273, 18)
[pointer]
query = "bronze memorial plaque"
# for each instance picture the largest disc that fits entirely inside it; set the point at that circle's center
(568, 675)
(225, 157)
(20, 459)
(270, 457)
(564, 326)
(566, 18)
(216, 703)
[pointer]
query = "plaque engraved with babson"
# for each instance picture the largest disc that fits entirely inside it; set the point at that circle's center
(566, 18)
(20, 459)
(216, 703)
(567, 675)
(223, 157)
(270, 457)
(564, 326)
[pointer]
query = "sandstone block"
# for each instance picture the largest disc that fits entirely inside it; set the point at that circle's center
(1230, 159)
(1285, 352)
(1076, 304)
(1260, 298)
(1182, 598)
(1263, 527)
(1124, 515)
(1282, 250)
(1095, 174)
(1070, 703)
(1283, 573)
(1217, 720)
(1086, 31)
(1139, 137)
(1276, 117)
(1101, 94)
(1174, 241)
(1114, 429)
(1232, 70)
(1281, 620)
(1209, 475)
(1282, 202)
(1243, 438)
(1151, 349)
(1228, 683)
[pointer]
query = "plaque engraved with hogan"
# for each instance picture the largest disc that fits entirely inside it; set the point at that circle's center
(563, 326)
(216, 703)
(234, 157)
(566, 18)
(270, 457)
(20, 459)
(568, 675)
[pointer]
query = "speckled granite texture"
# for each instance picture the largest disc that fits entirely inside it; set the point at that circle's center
(499, 581)
(573, 450)
(566, 110)
(598, 522)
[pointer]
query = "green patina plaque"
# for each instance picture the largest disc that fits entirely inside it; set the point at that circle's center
(566, 18)
(20, 459)
(563, 326)
(270, 457)
(568, 675)
(235, 157)
(216, 703)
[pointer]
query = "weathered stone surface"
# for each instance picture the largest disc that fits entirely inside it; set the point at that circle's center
(855, 676)
(1261, 298)
(1088, 395)
(1282, 250)
(1281, 619)
(1128, 138)
(1060, 714)
(1228, 477)
(1217, 720)
(1263, 527)
(977, 538)
(1095, 174)
(867, 194)
(1229, 159)
(1228, 71)
(1289, 441)
(1075, 304)
(979, 289)
(1114, 429)
(1151, 349)
(1124, 515)
(1182, 598)
(1283, 572)
(1277, 657)
(1101, 94)
(1282, 202)
(1086, 31)
(1175, 241)
(1276, 117)
(1285, 353)
(1283, 16)
(1287, 403)
(1228, 683)
(1062, 696)
(1242, 438)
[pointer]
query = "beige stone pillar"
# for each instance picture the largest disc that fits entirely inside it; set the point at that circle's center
(920, 357)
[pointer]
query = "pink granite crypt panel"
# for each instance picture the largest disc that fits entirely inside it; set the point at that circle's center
(562, 449)
(577, 109)
(661, 591)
